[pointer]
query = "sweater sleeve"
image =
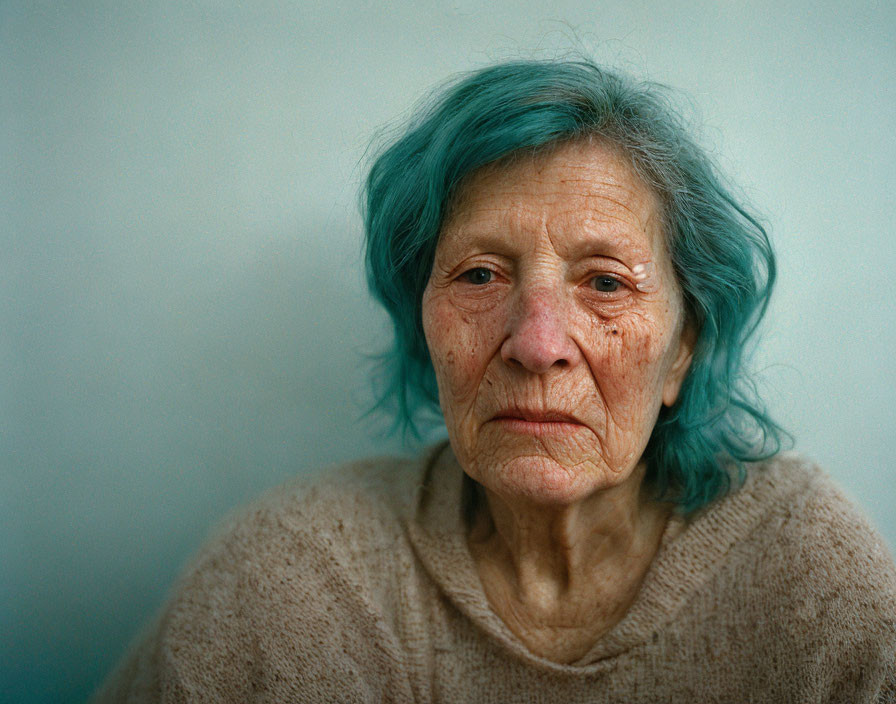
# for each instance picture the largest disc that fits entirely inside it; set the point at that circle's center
(275, 610)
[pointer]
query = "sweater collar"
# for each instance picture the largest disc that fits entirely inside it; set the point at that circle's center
(690, 553)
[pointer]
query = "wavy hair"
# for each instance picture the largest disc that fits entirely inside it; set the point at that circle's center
(721, 254)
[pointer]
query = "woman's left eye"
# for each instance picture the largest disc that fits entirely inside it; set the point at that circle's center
(605, 284)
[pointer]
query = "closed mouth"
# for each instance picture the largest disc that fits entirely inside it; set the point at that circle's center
(536, 416)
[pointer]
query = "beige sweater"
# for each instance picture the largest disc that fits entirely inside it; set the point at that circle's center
(358, 587)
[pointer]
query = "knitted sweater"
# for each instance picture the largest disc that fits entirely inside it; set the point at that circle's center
(358, 587)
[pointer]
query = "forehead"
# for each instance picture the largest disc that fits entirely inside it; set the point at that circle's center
(579, 194)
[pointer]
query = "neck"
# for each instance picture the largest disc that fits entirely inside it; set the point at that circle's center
(549, 567)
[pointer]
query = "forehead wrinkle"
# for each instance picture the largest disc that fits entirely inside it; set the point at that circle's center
(572, 232)
(533, 201)
(630, 199)
(606, 208)
(496, 232)
(589, 231)
(598, 194)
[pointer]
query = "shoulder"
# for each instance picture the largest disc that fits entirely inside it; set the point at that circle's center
(340, 529)
(825, 577)
(790, 520)
(365, 499)
(804, 524)
(813, 524)
(299, 584)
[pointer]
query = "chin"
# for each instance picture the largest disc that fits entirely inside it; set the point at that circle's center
(544, 480)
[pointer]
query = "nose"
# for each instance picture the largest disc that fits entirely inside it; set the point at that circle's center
(538, 338)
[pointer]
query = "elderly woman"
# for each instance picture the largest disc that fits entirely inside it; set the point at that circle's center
(573, 285)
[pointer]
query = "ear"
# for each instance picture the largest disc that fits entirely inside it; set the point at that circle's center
(679, 369)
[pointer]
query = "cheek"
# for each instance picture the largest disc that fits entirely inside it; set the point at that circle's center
(461, 344)
(627, 359)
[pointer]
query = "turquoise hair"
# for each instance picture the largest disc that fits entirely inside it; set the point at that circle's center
(720, 252)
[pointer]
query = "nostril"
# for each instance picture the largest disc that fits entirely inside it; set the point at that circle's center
(513, 361)
(535, 357)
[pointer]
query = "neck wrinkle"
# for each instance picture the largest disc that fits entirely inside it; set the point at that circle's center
(545, 552)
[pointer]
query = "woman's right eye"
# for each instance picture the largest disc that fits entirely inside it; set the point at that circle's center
(477, 277)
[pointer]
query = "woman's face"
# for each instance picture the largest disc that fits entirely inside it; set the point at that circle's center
(554, 323)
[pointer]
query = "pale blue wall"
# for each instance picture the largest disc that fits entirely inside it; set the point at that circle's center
(182, 310)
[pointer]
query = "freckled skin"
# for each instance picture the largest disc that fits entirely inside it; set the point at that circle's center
(534, 303)
(538, 335)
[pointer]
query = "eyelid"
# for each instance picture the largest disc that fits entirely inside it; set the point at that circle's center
(471, 265)
(598, 265)
(465, 275)
(619, 278)
(619, 296)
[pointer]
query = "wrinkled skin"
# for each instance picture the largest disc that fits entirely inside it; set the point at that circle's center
(557, 331)
(533, 304)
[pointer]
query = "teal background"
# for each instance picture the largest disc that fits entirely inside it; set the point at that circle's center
(184, 321)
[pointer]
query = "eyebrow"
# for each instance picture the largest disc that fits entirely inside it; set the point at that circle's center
(493, 235)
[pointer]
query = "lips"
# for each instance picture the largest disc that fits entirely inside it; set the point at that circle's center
(536, 416)
(537, 423)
